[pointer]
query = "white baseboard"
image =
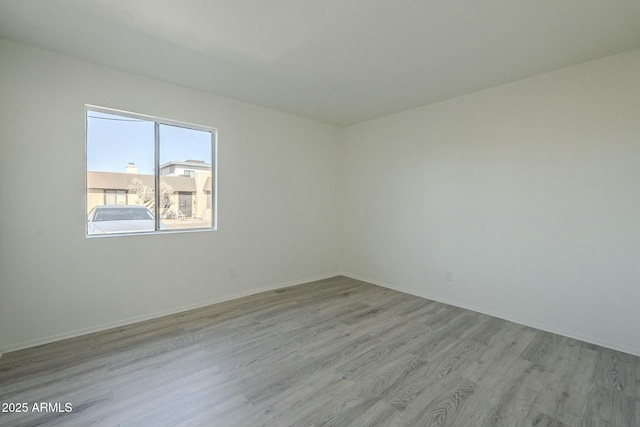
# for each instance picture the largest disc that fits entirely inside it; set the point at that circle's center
(525, 322)
(154, 315)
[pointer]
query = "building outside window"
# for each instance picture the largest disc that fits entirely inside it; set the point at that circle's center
(123, 152)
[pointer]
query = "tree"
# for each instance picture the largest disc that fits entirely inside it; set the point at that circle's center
(147, 197)
(166, 191)
(144, 192)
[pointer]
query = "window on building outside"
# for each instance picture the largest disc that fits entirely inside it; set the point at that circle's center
(115, 197)
(147, 175)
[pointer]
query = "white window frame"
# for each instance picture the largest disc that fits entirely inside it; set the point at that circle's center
(157, 122)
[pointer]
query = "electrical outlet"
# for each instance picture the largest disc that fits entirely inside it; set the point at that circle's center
(449, 277)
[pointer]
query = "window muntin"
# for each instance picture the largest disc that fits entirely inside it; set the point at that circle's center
(165, 166)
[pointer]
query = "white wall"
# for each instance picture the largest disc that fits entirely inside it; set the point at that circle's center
(529, 193)
(278, 183)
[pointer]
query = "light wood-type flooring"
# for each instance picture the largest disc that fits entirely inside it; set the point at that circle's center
(336, 352)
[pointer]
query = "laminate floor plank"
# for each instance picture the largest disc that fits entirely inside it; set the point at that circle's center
(141, 400)
(22, 386)
(136, 384)
(368, 390)
(440, 340)
(518, 404)
(437, 404)
(312, 298)
(302, 401)
(497, 386)
(493, 364)
(454, 359)
(589, 422)
(335, 352)
(197, 408)
(423, 313)
(544, 349)
(373, 356)
(431, 375)
(279, 380)
(624, 411)
(575, 359)
(616, 371)
(562, 397)
(598, 406)
(513, 338)
(539, 419)
(376, 416)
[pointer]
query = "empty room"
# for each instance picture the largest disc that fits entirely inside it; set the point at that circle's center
(319, 213)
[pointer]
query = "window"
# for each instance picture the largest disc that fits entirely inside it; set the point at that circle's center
(115, 197)
(146, 174)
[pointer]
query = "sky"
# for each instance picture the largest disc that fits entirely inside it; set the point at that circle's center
(115, 141)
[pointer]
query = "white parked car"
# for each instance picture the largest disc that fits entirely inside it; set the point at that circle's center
(116, 219)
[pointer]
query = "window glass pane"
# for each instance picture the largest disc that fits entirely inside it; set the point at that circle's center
(120, 160)
(186, 179)
(109, 197)
(124, 182)
(121, 197)
(115, 197)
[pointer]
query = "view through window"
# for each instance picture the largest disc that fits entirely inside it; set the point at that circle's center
(148, 175)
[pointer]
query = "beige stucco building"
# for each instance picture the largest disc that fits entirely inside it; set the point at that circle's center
(188, 191)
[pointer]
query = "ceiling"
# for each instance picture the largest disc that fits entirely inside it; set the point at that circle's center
(336, 61)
